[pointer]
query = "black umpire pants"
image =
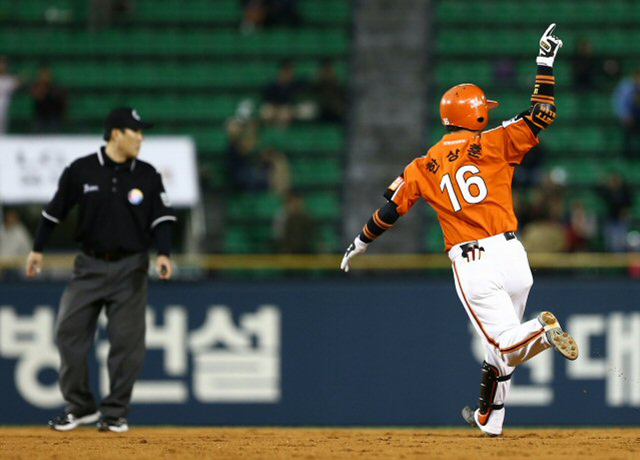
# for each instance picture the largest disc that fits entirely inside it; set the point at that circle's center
(121, 288)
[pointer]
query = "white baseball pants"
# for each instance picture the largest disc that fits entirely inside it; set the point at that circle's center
(493, 285)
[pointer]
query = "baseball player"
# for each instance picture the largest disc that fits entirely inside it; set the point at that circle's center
(466, 178)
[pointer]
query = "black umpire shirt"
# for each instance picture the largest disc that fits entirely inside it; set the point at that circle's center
(120, 205)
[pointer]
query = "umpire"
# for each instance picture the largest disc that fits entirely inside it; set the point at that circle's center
(122, 208)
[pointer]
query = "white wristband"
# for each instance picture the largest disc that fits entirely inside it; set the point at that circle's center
(546, 61)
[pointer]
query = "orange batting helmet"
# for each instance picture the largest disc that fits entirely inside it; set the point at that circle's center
(466, 106)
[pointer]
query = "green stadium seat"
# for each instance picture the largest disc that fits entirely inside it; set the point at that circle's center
(149, 75)
(434, 241)
(171, 42)
(312, 172)
(21, 108)
(305, 139)
(324, 205)
(253, 206)
(589, 172)
(326, 12)
(243, 239)
(329, 240)
(52, 11)
(449, 73)
(193, 12)
(209, 141)
(578, 138)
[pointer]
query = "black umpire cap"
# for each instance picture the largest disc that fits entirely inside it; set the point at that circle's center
(121, 118)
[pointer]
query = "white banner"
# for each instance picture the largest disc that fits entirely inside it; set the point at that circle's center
(30, 166)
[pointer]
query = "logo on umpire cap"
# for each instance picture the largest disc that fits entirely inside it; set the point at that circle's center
(134, 114)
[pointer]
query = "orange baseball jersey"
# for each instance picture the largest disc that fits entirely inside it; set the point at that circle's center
(466, 177)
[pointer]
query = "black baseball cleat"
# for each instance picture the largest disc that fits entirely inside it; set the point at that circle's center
(115, 424)
(467, 415)
(68, 421)
(558, 338)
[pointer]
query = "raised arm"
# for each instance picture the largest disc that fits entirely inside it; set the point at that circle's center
(543, 110)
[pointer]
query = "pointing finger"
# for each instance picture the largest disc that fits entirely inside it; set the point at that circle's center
(550, 29)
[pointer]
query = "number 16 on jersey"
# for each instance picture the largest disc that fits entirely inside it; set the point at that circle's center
(465, 177)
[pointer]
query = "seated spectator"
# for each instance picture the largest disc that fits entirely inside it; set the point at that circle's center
(8, 84)
(294, 229)
(105, 13)
(245, 172)
(618, 200)
(49, 103)
(253, 16)
(583, 227)
(278, 172)
(626, 99)
(585, 68)
(329, 94)
(548, 233)
(531, 170)
(268, 13)
(282, 98)
(15, 240)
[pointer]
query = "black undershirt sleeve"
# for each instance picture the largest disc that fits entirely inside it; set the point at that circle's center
(162, 237)
(45, 228)
(543, 92)
(381, 220)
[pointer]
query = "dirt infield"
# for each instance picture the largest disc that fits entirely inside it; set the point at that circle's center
(318, 443)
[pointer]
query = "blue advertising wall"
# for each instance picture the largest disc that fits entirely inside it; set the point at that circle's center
(357, 352)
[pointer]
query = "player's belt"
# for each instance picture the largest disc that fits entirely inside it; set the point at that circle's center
(108, 256)
(471, 245)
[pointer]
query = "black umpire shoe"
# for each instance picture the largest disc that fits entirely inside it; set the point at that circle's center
(68, 421)
(117, 425)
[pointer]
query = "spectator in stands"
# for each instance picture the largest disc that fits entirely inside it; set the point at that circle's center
(582, 228)
(547, 233)
(531, 170)
(245, 173)
(294, 229)
(626, 99)
(584, 66)
(282, 98)
(536, 207)
(268, 13)
(249, 170)
(618, 200)
(278, 172)
(282, 13)
(49, 103)
(15, 240)
(103, 13)
(589, 71)
(8, 84)
(253, 16)
(329, 94)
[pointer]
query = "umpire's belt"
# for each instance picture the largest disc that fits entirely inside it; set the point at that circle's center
(109, 256)
(464, 248)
